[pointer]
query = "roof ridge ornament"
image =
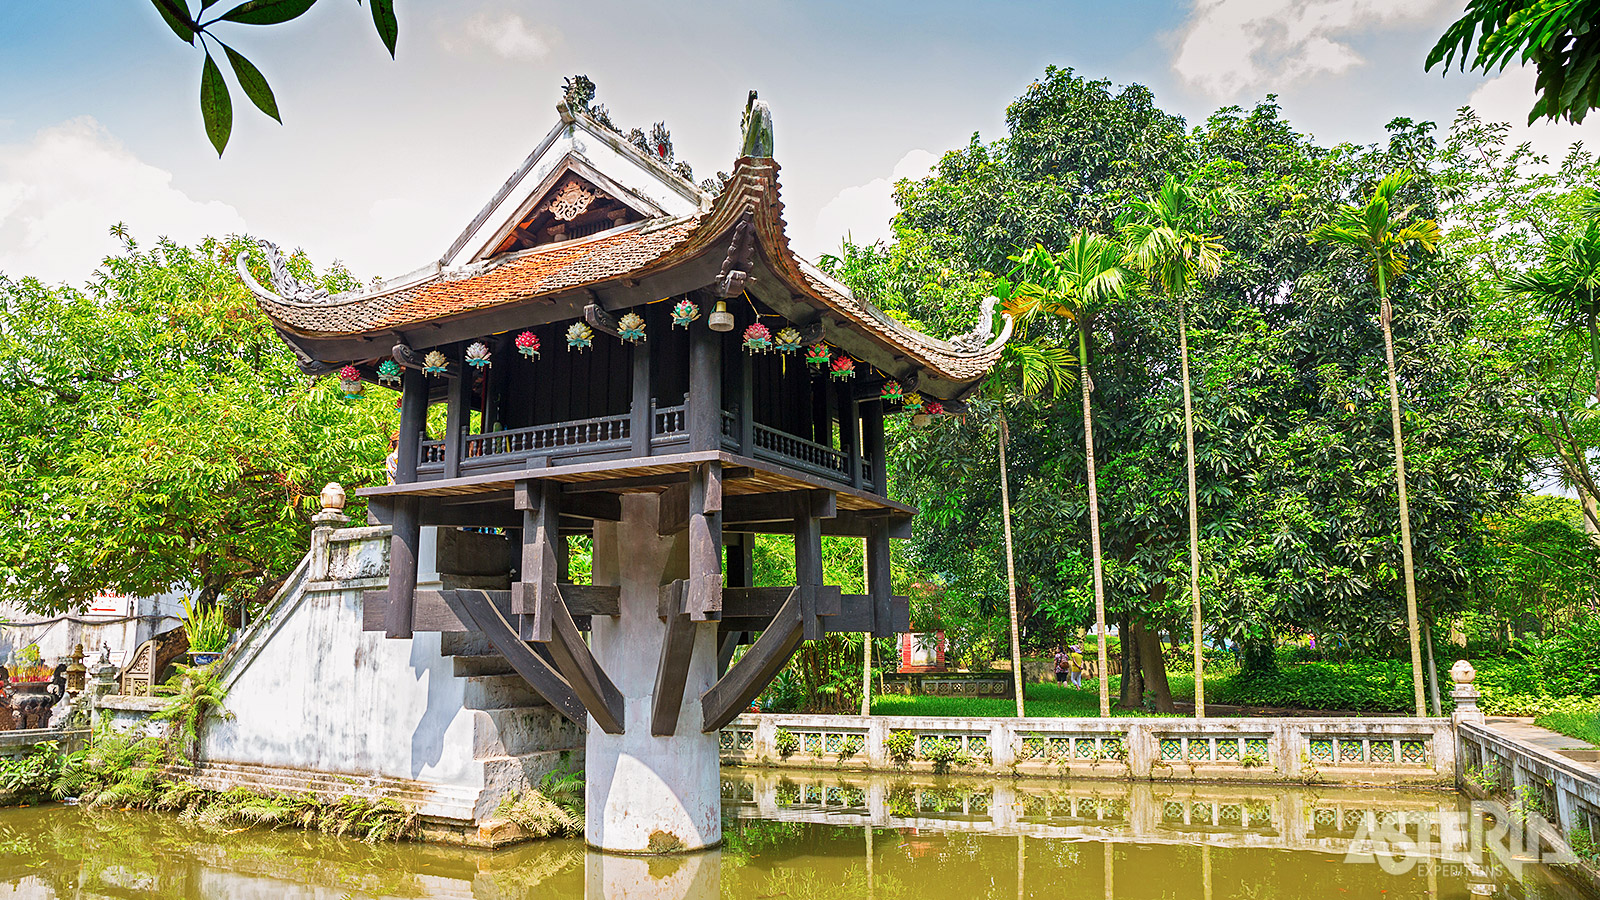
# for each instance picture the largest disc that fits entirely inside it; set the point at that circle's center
(756, 127)
(284, 282)
(978, 339)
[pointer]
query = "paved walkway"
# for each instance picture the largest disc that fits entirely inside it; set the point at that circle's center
(1524, 731)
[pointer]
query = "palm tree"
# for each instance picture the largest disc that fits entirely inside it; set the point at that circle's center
(1077, 284)
(1167, 241)
(1026, 369)
(1381, 234)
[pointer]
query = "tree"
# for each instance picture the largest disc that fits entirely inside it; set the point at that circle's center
(1077, 284)
(158, 435)
(1560, 38)
(1379, 231)
(1169, 239)
(216, 106)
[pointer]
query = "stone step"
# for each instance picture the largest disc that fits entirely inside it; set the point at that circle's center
(499, 692)
(522, 730)
(474, 664)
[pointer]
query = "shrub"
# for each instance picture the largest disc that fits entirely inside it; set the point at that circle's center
(786, 743)
(901, 747)
(1569, 661)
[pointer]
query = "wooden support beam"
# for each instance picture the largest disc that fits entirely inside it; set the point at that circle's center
(672, 510)
(747, 404)
(605, 507)
(740, 564)
(672, 674)
(580, 669)
(779, 506)
(601, 320)
(850, 431)
(878, 584)
(872, 445)
(535, 594)
(432, 612)
(626, 483)
(745, 680)
(703, 600)
(545, 680)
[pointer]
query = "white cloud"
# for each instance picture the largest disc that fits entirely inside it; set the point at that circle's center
(1230, 48)
(506, 35)
(1507, 98)
(863, 212)
(62, 190)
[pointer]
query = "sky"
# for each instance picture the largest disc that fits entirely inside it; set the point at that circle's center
(379, 163)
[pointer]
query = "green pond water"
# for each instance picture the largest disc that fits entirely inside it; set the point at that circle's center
(824, 835)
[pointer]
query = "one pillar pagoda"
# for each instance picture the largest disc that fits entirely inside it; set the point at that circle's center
(623, 355)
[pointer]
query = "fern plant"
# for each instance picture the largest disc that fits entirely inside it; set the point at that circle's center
(197, 696)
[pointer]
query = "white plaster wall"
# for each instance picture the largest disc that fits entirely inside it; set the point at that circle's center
(322, 694)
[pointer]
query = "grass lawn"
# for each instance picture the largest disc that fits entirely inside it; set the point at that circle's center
(1579, 723)
(1039, 700)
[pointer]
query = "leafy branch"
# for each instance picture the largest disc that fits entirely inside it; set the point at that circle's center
(216, 104)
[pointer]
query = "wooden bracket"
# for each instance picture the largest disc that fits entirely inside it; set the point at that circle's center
(601, 320)
(480, 610)
(747, 678)
(735, 272)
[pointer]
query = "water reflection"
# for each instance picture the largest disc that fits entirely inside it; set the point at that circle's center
(823, 836)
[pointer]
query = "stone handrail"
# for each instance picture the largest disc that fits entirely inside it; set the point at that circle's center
(1282, 750)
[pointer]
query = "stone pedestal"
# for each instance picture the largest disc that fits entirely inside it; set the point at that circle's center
(1464, 694)
(648, 794)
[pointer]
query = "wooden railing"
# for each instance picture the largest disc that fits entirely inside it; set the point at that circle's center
(586, 433)
(670, 419)
(432, 452)
(780, 446)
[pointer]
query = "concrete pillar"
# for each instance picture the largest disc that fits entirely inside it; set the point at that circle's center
(649, 794)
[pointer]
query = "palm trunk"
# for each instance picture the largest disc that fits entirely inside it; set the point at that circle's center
(1011, 569)
(1386, 317)
(1094, 524)
(1194, 520)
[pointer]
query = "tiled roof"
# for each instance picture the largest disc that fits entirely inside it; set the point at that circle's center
(637, 250)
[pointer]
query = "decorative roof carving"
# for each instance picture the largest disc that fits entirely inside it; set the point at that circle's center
(284, 283)
(571, 200)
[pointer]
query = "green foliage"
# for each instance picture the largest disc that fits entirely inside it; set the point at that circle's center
(901, 747)
(216, 106)
(553, 808)
(1556, 37)
(197, 695)
(1487, 777)
(785, 742)
(1576, 717)
(33, 776)
(207, 628)
(159, 413)
(1581, 839)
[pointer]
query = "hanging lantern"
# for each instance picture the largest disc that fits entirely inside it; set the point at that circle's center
(350, 382)
(819, 355)
(435, 363)
(787, 341)
(757, 339)
(684, 312)
(631, 328)
(580, 337)
(478, 355)
(912, 403)
(388, 372)
(933, 408)
(892, 392)
(721, 319)
(844, 368)
(528, 344)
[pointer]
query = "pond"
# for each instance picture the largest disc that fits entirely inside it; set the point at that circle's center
(826, 835)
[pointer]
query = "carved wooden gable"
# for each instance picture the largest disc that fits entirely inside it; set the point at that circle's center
(572, 206)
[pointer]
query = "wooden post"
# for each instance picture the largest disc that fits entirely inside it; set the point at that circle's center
(457, 418)
(534, 597)
(404, 539)
(821, 415)
(641, 413)
(413, 418)
(808, 566)
(740, 566)
(406, 533)
(705, 543)
(747, 404)
(850, 431)
(705, 389)
(873, 448)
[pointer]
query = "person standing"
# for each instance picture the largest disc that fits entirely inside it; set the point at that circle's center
(1059, 656)
(1076, 665)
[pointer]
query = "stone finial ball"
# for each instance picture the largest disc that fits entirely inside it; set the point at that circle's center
(1463, 672)
(333, 496)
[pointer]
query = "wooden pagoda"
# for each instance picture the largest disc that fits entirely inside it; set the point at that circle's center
(589, 336)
